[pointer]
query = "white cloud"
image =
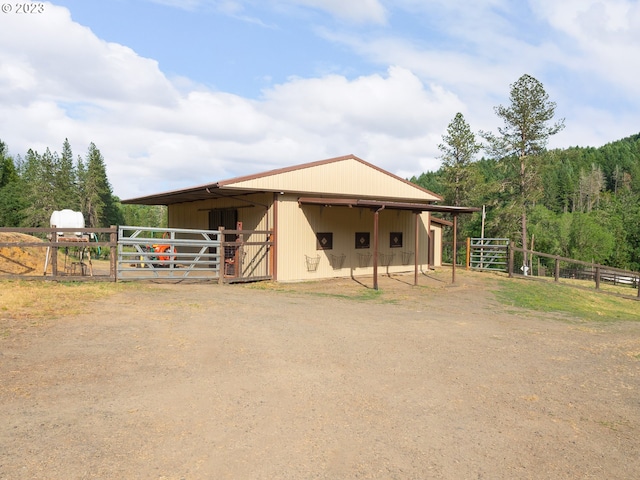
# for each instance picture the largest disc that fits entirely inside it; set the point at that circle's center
(605, 35)
(361, 11)
(397, 104)
(159, 134)
(63, 59)
(155, 137)
(583, 52)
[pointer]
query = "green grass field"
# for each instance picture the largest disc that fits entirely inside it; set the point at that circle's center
(562, 298)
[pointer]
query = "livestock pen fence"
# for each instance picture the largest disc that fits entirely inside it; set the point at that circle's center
(499, 254)
(532, 264)
(478, 253)
(487, 253)
(136, 253)
(58, 253)
(227, 256)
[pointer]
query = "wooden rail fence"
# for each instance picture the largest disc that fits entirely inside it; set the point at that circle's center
(63, 253)
(136, 253)
(576, 269)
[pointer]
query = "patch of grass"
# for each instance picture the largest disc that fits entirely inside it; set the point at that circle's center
(576, 302)
(41, 300)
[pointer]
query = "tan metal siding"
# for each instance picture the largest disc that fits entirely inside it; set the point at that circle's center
(346, 178)
(297, 228)
(297, 239)
(436, 229)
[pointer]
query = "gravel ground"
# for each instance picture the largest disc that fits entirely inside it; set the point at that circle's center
(322, 380)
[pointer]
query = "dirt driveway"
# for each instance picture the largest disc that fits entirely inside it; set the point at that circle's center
(280, 382)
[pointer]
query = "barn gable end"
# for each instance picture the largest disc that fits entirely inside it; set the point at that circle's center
(342, 176)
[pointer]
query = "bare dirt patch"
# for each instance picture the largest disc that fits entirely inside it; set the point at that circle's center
(319, 380)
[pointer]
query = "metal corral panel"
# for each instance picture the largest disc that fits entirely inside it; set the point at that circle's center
(299, 258)
(255, 213)
(346, 176)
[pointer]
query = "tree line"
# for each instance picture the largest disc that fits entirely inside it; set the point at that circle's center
(34, 186)
(579, 202)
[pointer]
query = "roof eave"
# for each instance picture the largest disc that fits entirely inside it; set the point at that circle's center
(391, 205)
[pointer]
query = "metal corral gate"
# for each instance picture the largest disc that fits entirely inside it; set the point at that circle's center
(229, 256)
(488, 253)
(169, 253)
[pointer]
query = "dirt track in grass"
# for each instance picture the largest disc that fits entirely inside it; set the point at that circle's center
(323, 380)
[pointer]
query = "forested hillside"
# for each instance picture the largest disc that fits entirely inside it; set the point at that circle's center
(586, 203)
(34, 186)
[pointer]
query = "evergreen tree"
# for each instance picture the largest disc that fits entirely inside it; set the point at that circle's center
(522, 140)
(579, 206)
(458, 151)
(11, 199)
(558, 181)
(38, 180)
(8, 172)
(432, 181)
(66, 193)
(97, 202)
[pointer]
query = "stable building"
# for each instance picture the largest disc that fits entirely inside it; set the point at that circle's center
(338, 217)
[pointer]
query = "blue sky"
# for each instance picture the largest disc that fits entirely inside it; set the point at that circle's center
(178, 93)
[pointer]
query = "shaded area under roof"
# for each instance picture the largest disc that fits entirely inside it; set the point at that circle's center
(381, 204)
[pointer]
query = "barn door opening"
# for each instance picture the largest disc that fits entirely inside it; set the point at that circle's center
(227, 218)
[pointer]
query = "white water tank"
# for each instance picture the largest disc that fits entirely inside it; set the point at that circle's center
(67, 219)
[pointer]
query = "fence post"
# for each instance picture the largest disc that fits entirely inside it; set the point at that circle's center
(556, 273)
(113, 253)
(221, 255)
(468, 252)
(597, 277)
(54, 254)
(455, 248)
(510, 262)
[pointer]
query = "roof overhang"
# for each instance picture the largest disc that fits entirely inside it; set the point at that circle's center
(382, 204)
(193, 194)
(441, 221)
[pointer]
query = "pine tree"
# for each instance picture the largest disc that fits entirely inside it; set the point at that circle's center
(65, 181)
(458, 151)
(8, 171)
(97, 201)
(39, 194)
(522, 140)
(11, 200)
